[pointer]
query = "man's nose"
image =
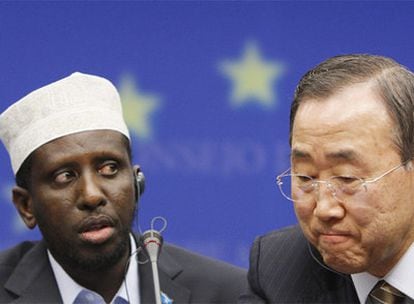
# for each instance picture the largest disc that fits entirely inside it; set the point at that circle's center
(327, 207)
(91, 194)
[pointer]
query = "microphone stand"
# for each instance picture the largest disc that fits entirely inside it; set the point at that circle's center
(152, 241)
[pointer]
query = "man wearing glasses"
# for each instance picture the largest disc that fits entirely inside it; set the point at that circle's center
(351, 182)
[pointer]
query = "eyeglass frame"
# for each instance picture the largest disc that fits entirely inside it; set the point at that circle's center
(329, 184)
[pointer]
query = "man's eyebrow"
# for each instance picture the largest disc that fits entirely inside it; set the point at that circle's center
(345, 155)
(106, 155)
(299, 154)
(341, 155)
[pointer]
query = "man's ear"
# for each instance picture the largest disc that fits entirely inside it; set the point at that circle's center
(24, 204)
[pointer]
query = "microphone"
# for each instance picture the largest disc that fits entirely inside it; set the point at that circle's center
(152, 241)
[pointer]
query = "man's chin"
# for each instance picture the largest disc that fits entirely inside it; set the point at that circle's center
(99, 262)
(343, 264)
(92, 258)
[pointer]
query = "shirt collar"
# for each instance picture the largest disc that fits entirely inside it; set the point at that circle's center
(401, 277)
(363, 283)
(69, 289)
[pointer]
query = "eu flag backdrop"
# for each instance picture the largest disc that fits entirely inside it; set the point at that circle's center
(206, 88)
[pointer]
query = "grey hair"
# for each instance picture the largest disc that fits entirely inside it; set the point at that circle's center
(393, 82)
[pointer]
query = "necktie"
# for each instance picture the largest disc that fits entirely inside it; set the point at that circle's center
(120, 300)
(90, 297)
(384, 293)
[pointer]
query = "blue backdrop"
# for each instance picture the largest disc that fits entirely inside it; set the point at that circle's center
(206, 88)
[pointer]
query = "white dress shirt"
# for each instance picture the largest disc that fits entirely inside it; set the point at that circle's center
(401, 277)
(69, 289)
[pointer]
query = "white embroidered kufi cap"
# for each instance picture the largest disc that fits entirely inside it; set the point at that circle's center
(79, 102)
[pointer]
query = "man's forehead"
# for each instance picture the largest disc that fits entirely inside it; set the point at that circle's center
(351, 101)
(342, 127)
(339, 154)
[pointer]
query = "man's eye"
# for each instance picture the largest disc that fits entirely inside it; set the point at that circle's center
(346, 179)
(64, 177)
(108, 169)
(303, 179)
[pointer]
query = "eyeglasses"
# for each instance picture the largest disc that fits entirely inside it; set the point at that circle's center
(302, 188)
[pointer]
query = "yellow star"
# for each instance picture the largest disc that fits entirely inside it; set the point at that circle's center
(137, 108)
(252, 78)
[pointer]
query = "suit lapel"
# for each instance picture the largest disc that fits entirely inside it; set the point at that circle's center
(169, 270)
(32, 280)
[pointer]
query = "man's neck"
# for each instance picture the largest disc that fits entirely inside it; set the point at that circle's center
(105, 282)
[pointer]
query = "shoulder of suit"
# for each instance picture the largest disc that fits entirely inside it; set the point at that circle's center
(286, 233)
(206, 276)
(284, 269)
(188, 257)
(185, 257)
(17, 251)
(283, 243)
(13, 255)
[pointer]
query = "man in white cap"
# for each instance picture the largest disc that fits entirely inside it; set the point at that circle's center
(70, 152)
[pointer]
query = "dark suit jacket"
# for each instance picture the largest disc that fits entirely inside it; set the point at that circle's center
(27, 277)
(282, 270)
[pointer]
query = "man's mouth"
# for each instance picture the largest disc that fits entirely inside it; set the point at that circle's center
(334, 237)
(96, 229)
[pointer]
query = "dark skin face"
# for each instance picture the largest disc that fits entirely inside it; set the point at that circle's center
(82, 197)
